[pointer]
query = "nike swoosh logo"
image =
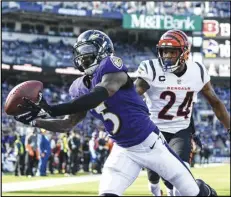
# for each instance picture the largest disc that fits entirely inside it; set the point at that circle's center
(151, 147)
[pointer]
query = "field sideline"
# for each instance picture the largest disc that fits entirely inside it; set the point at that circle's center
(218, 177)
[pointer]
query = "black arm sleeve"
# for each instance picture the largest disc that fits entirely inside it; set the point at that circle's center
(83, 103)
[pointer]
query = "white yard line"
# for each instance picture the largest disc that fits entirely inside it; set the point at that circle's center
(30, 185)
(38, 184)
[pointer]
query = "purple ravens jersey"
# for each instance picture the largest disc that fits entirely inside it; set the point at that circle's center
(125, 115)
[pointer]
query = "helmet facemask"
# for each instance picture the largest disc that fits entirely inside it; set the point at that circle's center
(90, 49)
(85, 56)
(171, 63)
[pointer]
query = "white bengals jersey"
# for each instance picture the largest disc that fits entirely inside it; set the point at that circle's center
(170, 98)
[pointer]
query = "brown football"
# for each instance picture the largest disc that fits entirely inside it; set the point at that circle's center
(29, 89)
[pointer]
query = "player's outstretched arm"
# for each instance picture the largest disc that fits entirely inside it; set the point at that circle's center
(109, 84)
(217, 105)
(60, 125)
(141, 86)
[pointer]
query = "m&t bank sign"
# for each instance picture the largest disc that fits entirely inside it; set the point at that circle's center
(160, 22)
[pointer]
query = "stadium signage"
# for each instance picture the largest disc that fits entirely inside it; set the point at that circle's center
(27, 67)
(68, 70)
(186, 23)
(216, 27)
(216, 45)
(24, 67)
(216, 49)
(72, 12)
(6, 66)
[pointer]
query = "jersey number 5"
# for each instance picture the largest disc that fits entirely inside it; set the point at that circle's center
(102, 109)
(180, 112)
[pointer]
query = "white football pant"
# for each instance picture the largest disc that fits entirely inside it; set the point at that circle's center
(124, 165)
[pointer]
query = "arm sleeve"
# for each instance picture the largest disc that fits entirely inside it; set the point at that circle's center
(83, 103)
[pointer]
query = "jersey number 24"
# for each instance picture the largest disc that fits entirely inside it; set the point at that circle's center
(180, 112)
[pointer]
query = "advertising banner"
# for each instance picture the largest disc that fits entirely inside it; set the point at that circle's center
(216, 45)
(74, 12)
(218, 28)
(162, 22)
(214, 48)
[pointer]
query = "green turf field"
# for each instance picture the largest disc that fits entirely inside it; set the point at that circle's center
(7, 178)
(218, 177)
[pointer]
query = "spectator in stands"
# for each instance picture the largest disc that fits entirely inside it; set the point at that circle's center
(32, 152)
(74, 146)
(63, 154)
(102, 149)
(8, 158)
(19, 153)
(86, 154)
(45, 152)
(93, 147)
(52, 156)
(204, 155)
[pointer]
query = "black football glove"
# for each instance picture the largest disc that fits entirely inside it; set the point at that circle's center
(28, 117)
(33, 110)
(41, 104)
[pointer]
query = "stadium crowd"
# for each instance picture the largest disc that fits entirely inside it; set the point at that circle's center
(42, 53)
(188, 8)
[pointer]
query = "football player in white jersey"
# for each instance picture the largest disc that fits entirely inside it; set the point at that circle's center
(170, 85)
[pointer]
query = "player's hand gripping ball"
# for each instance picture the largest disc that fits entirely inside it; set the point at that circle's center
(27, 89)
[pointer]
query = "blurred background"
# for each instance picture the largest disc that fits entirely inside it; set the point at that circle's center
(37, 39)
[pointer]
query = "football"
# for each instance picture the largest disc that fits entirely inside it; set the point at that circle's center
(29, 89)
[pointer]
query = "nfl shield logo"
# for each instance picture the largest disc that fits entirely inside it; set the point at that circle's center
(179, 81)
